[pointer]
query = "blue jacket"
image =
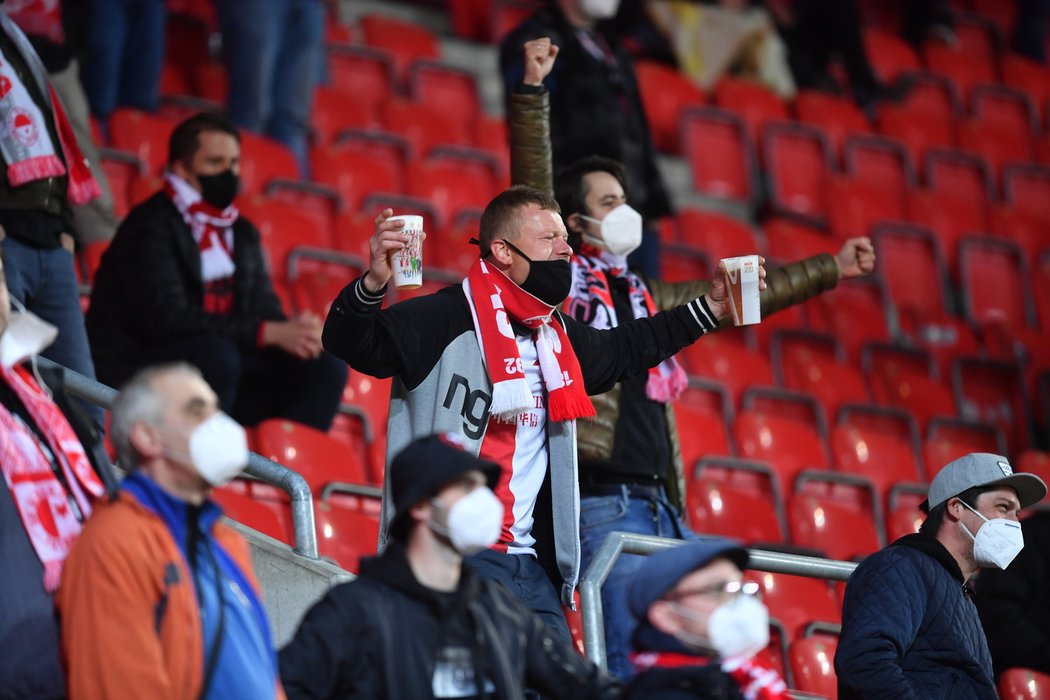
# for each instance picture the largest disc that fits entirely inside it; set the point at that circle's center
(910, 630)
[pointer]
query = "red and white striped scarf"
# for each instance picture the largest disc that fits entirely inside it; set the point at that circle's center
(211, 227)
(42, 502)
(590, 301)
(494, 300)
(756, 680)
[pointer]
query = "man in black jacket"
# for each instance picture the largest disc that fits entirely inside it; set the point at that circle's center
(184, 279)
(417, 623)
(595, 108)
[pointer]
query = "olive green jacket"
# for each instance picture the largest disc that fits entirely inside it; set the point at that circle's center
(530, 164)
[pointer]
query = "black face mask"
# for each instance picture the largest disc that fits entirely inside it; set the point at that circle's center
(219, 190)
(548, 280)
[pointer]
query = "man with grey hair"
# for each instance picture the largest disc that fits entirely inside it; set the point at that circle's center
(155, 571)
(909, 627)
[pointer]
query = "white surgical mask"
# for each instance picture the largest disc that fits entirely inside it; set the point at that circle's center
(474, 522)
(600, 9)
(26, 335)
(997, 542)
(738, 629)
(219, 449)
(621, 231)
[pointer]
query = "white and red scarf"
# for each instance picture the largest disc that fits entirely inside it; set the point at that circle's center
(25, 141)
(42, 502)
(494, 301)
(590, 301)
(756, 680)
(212, 228)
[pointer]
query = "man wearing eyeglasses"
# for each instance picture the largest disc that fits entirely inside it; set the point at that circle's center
(700, 625)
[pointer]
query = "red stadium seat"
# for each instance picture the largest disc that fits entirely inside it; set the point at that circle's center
(701, 432)
(786, 403)
(143, 134)
(836, 312)
(963, 68)
(889, 55)
(370, 395)
(919, 132)
(797, 158)
(838, 117)
(840, 530)
(963, 175)
(404, 41)
(790, 240)
(1024, 684)
(720, 152)
(1041, 280)
(335, 111)
(263, 160)
(797, 601)
(319, 458)
(321, 203)
(282, 228)
(682, 263)
(882, 458)
(364, 74)
(451, 189)
(788, 445)
(999, 145)
(1006, 108)
(724, 358)
(120, 168)
(715, 508)
(879, 162)
(314, 290)
(813, 665)
(665, 91)
(978, 36)
(993, 393)
(423, 129)
(854, 208)
(911, 269)
(358, 167)
(1026, 75)
(1007, 300)
(1027, 188)
(251, 513)
(1029, 231)
(905, 379)
(442, 89)
(754, 103)
(718, 235)
(1034, 462)
(948, 439)
(346, 535)
(814, 364)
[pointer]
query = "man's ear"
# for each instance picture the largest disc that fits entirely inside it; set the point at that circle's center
(421, 512)
(145, 440)
(575, 222)
(501, 253)
(955, 509)
(662, 617)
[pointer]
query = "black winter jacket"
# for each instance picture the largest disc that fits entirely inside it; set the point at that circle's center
(910, 630)
(595, 107)
(148, 290)
(1015, 604)
(385, 636)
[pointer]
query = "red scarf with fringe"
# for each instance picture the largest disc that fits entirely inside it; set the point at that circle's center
(43, 504)
(494, 300)
(756, 680)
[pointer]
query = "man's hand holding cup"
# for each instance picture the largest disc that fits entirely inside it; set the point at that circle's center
(719, 289)
(390, 239)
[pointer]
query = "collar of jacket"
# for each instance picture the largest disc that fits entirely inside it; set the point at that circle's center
(392, 568)
(171, 510)
(932, 547)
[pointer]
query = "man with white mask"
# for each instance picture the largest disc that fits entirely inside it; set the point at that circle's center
(417, 623)
(158, 598)
(910, 629)
(54, 472)
(700, 625)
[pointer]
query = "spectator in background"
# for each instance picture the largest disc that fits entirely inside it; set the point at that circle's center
(158, 598)
(1029, 35)
(909, 626)
(51, 483)
(631, 474)
(274, 50)
(595, 104)
(184, 279)
(125, 55)
(417, 623)
(1014, 604)
(699, 626)
(44, 174)
(57, 32)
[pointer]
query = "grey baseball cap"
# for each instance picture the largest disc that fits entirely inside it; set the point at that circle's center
(984, 469)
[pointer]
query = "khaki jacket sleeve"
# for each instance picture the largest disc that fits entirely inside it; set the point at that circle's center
(528, 124)
(786, 286)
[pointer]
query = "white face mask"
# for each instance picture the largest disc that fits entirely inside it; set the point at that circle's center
(600, 9)
(219, 449)
(997, 542)
(473, 523)
(738, 629)
(26, 335)
(621, 231)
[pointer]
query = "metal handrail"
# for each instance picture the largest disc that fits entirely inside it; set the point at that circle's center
(263, 469)
(617, 543)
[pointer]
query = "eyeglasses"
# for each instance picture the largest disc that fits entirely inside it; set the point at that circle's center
(725, 592)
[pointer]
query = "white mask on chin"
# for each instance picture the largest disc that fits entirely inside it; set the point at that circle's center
(26, 335)
(600, 9)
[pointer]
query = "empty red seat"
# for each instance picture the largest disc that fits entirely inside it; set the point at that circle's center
(854, 208)
(1027, 188)
(357, 168)
(993, 393)
(283, 229)
(791, 240)
(727, 360)
(1008, 300)
(315, 289)
(885, 459)
(319, 458)
(372, 396)
(423, 129)
(813, 665)
(963, 175)
(143, 134)
(998, 144)
(797, 601)
(321, 203)
(912, 270)
(978, 37)
(1005, 107)
(838, 117)
(720, 152)
(439, 88)
(365, 74)
(346, 535)
(404, 41)
(716, 508)
(335, 111)
(120, 168)
(836, 312)
(1024, 684)
(797, 158)
(1034, 462)
(788, 445)
(948, 439)
(263, 160)
(880, 162)
(1026, 75)
(450, 188)
(904, 516)
(754, 103)
(665, 91)
(701, 432)
(814, 364)
(683, 263)
(904, 378)
(841, 531)
(718, 235)
(949, 217)
(889, 55)
(963, 68)
(252, 513)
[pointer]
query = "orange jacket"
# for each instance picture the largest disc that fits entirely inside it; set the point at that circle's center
(110, 605)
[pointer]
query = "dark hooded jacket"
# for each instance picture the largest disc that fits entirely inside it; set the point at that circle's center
(385, 635)
(910, 630)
